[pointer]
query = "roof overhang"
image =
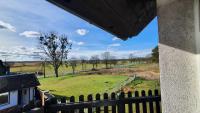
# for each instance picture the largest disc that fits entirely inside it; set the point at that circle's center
(17, 82)
(123, 18)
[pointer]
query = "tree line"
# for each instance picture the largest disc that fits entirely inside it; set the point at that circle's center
(56, 50)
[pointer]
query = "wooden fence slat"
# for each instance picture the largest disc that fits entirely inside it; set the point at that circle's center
(113, 97)
(157, 103)
(81, 99)
(144, 104)
(121, 105)
(151, 109)
(72, 100)
(47, 103)
(63, 100)
(90, 99)
(54, 101)
(52, 106)
(105, 98)
(130, 105)
(137, 105)
(98, 97)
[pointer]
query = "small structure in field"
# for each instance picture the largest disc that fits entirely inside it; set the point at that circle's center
(18, 91)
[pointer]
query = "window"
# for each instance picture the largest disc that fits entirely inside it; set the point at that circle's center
(4, 98)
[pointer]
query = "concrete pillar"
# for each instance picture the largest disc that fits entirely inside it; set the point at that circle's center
(179, 47)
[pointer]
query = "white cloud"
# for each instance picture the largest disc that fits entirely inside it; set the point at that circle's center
(114, 45)
(80, 43)
(76, 43)
(30, 34)
(115, 38)
(20, 53)
(4, 25)
(82, 32)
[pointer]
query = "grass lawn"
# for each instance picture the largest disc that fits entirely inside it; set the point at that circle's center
(80, 85)
(92, 84)
(49, 69)
(140, 84)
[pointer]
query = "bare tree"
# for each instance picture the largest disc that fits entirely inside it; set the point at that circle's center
(55, 47)
(131, 58)
(106, 58)
(94, 60)
(83, 62)
(113, 61)
(73, 63)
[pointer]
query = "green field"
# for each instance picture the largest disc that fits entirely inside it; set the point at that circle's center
(63, 70)
(91, 84)
(77, 85)
(100, 81)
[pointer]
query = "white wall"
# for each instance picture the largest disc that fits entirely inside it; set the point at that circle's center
(25, 96)
(31, 93)
(13, 100)
(28, 96)
(179, 49)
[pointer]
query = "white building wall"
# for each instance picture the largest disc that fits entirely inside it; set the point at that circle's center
(31, 93)
(13, 100)
(179, 49)
(25, 96)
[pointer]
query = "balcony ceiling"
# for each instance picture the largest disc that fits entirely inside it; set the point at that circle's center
(123, 18)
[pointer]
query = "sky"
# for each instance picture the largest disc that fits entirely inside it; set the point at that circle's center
(22, 21)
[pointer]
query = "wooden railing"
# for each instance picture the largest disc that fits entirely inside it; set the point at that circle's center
(124, 103)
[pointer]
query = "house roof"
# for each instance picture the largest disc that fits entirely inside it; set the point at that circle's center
(17, 82)
(123, 18)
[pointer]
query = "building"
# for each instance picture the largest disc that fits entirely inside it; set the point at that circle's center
(17, 91)
(4, 68)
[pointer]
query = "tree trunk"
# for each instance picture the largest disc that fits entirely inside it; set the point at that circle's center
(93, 66)
(73, 68)
(82, 66)
(44, 71)
(56, 71)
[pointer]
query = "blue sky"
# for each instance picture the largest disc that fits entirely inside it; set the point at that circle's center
(22, 20)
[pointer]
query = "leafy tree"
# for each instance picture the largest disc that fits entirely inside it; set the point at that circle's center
(56, 48)
(155, 54)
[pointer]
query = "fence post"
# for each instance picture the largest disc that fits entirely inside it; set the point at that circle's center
(151, 109)
(72, 100)
(81, 99)
(113, 97)
(157, 103)
(90, 99)
(144, 104)
(137, 105)
(63, 101)
(54, 102)
(46, 105)
(98, 97)
(105, 98)
(121, 105)
(130, 105)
